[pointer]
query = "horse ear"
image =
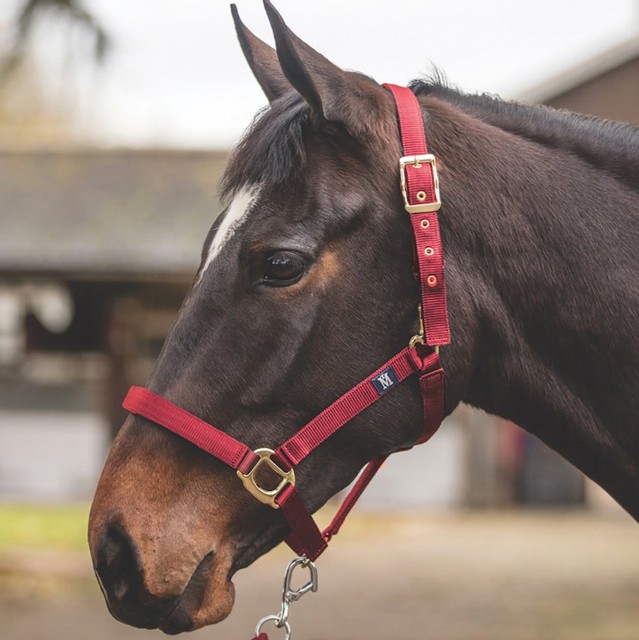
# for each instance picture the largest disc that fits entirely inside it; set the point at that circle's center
(262, 59)
(335, 94)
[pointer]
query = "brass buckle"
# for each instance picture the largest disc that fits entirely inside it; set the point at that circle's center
(417, 161)
(266, 496)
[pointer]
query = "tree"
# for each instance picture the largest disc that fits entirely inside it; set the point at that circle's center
(27, 118)
(74, 11)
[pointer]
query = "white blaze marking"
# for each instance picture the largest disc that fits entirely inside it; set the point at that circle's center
(240, 206)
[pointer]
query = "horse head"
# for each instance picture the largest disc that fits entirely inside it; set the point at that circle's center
(305, 285)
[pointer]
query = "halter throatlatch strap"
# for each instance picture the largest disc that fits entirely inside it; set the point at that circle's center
(420, 190)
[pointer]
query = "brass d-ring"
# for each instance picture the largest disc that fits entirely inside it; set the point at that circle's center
(266, 496)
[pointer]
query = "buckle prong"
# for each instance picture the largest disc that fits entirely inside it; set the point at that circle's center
(419, 337)
(417, 161)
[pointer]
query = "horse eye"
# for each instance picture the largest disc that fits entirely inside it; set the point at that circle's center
(283, 268)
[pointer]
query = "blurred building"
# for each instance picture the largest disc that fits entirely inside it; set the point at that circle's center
(606, 86)
(97, 249)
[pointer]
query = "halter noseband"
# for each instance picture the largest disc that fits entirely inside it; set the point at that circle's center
(420, 190)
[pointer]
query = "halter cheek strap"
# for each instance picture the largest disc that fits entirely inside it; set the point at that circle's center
(420, 190)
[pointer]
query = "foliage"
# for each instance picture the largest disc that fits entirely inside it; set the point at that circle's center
(35, 526)
(74, 11)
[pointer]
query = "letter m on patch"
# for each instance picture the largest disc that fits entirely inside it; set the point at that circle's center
(385, 380)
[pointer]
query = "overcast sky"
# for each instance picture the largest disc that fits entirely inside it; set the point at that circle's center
(176, 75)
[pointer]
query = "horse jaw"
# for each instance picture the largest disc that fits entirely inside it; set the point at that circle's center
(208, 597)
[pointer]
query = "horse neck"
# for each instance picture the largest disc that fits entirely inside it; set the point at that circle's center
(542, 258)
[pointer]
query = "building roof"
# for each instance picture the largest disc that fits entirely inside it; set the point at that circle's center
(584, 72)
(106, 212)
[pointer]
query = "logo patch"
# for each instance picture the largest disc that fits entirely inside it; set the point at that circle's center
(385, 380)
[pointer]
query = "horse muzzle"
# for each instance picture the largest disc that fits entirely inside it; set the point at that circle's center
(162, 548)
(173, 600)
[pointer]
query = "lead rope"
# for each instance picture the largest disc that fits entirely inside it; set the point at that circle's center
(289, 596)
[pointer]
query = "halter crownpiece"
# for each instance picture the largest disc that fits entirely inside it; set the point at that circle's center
(420, 191)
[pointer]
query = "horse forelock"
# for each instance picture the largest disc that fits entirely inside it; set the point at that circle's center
(272, 149)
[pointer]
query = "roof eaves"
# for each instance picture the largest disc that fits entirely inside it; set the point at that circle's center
(581, 73)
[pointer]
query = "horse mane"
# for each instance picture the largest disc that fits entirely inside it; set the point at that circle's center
(607, 145)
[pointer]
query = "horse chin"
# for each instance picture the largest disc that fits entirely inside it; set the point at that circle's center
(207, 599)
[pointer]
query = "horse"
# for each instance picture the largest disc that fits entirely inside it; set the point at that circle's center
(306, 284)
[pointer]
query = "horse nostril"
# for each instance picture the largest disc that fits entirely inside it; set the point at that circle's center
(117, 564)
(114, 545)
(120, 573)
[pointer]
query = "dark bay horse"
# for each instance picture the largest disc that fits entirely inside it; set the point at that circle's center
(305, 286)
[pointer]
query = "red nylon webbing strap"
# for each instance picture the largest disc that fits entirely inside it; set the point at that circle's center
(429, 252)
(353, 496)
(353, 402)
(149, 405)
(432, 386)
(411, 128)
(305, 537)
(421, 190)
